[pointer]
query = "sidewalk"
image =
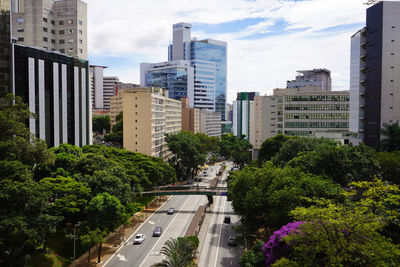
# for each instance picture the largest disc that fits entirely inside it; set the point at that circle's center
(114, 240)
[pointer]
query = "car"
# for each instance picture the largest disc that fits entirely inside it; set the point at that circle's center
(232, 241)
(157, 231)
(170, 211)
(227, 219)
(139, 238)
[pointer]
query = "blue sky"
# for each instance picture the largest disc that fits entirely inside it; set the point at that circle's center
(268, 40)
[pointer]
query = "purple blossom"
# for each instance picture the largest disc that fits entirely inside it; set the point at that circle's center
(275, 247)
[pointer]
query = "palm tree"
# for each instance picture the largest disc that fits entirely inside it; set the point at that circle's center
(179, 253)
(391, 140)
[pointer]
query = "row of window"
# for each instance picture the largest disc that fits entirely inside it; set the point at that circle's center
(52, 22)
(318, 116)
(323, 124)
(326, 98)
(317, 107)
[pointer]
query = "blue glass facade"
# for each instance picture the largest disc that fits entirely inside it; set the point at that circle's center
(208, 58)
(173, 79)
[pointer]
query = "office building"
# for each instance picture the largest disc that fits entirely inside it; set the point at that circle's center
(148, 115)
(210, 122)
(56, 89)
(174, 76)
(53, 25)
(5, 4)
(378, 72)
(5, 53)
(102, 88)
(312, 80)
(243, 115)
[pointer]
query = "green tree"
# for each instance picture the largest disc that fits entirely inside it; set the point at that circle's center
(236, 148)
(90, 239)
(271, 146)
(106, 213)
(390, 165)
(101, 123)
(254, 256)
(209, 144)
(116, 136)
(179, 253)
(391, 137)
(187, 153)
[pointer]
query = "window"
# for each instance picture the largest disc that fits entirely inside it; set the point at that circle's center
(62, 50)
(61, 22)
(53, 41)
(80, 41)
(71, 50)
(70, 31)
(53, 22)
(45, 47)
(81, 51)
(44, 29)
(80, 32)
(53, 31)
(44, 19)
(20, 30)
(61, 32)
(70, 41)
(20, 39)
(45, 39)
(20, 20)
(70, 21)
(392, 41)
(61, 41)
(80, 22)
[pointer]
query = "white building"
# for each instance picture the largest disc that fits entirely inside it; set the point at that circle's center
(102, 88)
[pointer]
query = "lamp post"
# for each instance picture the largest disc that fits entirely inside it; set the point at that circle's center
(75, 225)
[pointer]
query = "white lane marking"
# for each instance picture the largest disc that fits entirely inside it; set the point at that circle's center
(164, 231)
(134, 233)
(151, 222)
(219, 236)
(121, 257)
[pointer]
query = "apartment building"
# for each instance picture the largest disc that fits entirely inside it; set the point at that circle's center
(53, 25)
(190, 117)
(375, 73)
(148, 115)
(102, 88)
(210, 122)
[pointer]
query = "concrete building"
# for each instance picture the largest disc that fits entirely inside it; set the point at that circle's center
(102, 88)
(378, 72)
(56, 89)
(190, 117)
(5, 4)
(243, 115)
(53, 25)
(210, 122)
(266, 118)
(175, 76)
(148, 116)
(5, 53)
(116, 99)
(312, 80)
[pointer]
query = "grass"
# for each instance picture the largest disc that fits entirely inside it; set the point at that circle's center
(49, 260)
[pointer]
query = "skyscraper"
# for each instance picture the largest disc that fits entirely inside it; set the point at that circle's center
(53, 25)
(378, 72)
(244, 115)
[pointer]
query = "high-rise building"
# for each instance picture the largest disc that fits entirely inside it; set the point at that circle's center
(190, 117)
(243, 115)
(5, 53)
(378, 72)
(148, 115)
(55, 25)
(175, 76)
(266, 118)
(56, 89)
(312, 80)
(210, 122)
(102, 88)
(5, 4)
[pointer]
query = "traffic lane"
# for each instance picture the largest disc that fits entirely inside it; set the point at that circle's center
(133, 255)
(177, 228)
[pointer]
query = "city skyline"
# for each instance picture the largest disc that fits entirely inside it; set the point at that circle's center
(284, 36)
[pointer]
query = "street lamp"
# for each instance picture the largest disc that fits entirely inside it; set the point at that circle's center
(75, 225)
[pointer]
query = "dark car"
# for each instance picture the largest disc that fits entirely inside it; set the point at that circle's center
(157, 231)
(227, 219)
(170, 211)
(232, 241)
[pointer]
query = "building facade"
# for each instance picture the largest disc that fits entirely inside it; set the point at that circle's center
(53, 25)
(210, 122)
(174, 76)
(379, 95)
(102, 88)
(190, 117)
(5, 4)
(266, 118)
(5, 53)
(148, 115)
(243, 115)
(312, 80)
(56, 89)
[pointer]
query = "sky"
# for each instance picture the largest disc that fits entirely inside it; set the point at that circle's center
(268, 40)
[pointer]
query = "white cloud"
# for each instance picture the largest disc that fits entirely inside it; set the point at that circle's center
(133, 27)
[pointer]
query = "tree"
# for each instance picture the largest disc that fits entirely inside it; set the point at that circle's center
(187, 150)
(253, 257)
(179, 253)
(106, 213)
(235, 148)
(209, 144)
(116, 137)
(390, 165)
(101, 124)
(391, 137)
(90, 239)
(271, 146)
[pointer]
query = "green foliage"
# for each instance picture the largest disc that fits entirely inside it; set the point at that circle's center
(291, 148)
(235, 148)
(391, 137)
(179, 253)
(342, 164)
(194, 240)
(101, 123)
(271, 146)
(254, 256)
(187, 153)
(390, 165)
(209, 144)
(340, 235)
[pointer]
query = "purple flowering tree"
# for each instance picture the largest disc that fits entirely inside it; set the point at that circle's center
(276, 247)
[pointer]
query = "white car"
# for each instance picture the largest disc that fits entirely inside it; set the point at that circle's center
(139, 239)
